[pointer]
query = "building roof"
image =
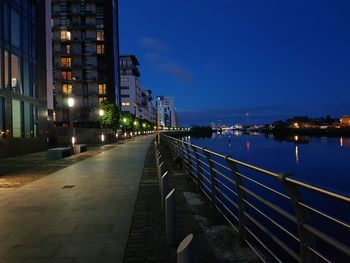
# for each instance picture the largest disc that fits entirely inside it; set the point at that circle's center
(132, 57)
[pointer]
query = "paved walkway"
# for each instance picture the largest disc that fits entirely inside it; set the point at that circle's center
(81, 213)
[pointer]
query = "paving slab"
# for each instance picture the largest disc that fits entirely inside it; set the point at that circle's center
(81, 213)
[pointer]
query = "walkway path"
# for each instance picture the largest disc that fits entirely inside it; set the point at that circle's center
(81, 213)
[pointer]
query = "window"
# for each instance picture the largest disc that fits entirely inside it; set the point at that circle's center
(124, 87)
(101, 99)
(125, 96)
(16, 119)
(15, 29)
(6, 68)
(2, 117)
(100, 35)
(124, 80)
(66, 75)
(100, 49)
(67, 49)
(66, 62)
(16, 76)
(67, 89)
(126, 103)
(65, 35)
(102, 89)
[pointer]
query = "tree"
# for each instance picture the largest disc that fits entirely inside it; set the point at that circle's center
(126, 121)
(110, 118)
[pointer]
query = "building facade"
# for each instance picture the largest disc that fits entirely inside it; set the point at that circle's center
(85, 59)
(23, 90)
(166, 110)
(130, 85)
(147, 110)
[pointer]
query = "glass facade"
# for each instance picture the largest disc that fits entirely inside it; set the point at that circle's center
(18, 87)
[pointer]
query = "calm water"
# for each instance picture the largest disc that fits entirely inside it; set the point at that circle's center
(323, 161)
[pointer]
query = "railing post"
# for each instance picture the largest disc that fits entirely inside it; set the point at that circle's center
(164, 188)
(159, 173)
(302, 215)
(170, 217)
(184, 251)
(199, 168)
(189, 161)
(242, 219)
(212, 175)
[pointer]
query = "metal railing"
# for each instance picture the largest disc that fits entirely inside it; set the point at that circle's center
(281, 218)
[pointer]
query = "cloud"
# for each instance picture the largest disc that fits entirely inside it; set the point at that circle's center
(157, 53)
(153, 44)
(153, 56)
(178, 72)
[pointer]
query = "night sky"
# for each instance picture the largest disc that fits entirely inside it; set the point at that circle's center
(242, 61)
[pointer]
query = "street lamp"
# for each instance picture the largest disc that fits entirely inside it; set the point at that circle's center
(71, 103)
(101, 112)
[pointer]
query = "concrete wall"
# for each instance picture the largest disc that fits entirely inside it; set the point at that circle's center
(15, 146)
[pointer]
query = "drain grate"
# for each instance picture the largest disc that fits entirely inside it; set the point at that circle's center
(68, 186)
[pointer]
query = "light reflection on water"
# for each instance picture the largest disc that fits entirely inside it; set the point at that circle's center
(322, 161)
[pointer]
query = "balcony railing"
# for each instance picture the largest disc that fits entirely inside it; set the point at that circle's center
(281, 218)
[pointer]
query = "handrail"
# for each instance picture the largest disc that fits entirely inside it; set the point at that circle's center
(254, 211)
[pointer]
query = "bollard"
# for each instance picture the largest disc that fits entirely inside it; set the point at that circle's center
(184, 251)
(164, 188)
(170, 218)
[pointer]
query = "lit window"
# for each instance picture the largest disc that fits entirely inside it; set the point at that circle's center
(124, 80)
(66, 75)
(100, 35)
(101, 99)
(125, 103)
(67, 89)
(102, 89)
(66, 62)
(68, 49)
(100, 49)
(65, 35)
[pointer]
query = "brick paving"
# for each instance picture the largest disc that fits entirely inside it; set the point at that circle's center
(146, 241)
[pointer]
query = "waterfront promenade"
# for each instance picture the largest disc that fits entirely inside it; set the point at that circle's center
(81, 213)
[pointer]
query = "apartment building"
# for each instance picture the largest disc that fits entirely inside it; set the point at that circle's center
(147, 110)
(130, 85)
(85, 59)
(166, 110)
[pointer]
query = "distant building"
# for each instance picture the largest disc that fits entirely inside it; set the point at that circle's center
(85, 59)
(147, 110)
(130, 86)
(345, 121)
(166, 109)
(23, 76)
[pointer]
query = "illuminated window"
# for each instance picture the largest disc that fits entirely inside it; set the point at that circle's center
(125, 103)
(100, 35)
(124, 80)
(67, 49)
(101, 99)
(67, 89)
(66, 75)
(102, 89)
(65, 35)
(100, 49)
(66, 62)
(16, 78)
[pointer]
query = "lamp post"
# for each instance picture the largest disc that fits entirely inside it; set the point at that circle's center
(71, 123)
(101, 112)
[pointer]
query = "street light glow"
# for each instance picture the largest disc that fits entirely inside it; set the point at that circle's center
(124, 120)
(135, 123)
(101, 112)
(70, 102)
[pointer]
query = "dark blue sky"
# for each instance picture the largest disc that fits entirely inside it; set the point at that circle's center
(226, 58)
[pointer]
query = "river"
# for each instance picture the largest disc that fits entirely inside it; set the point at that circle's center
(321, 161)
